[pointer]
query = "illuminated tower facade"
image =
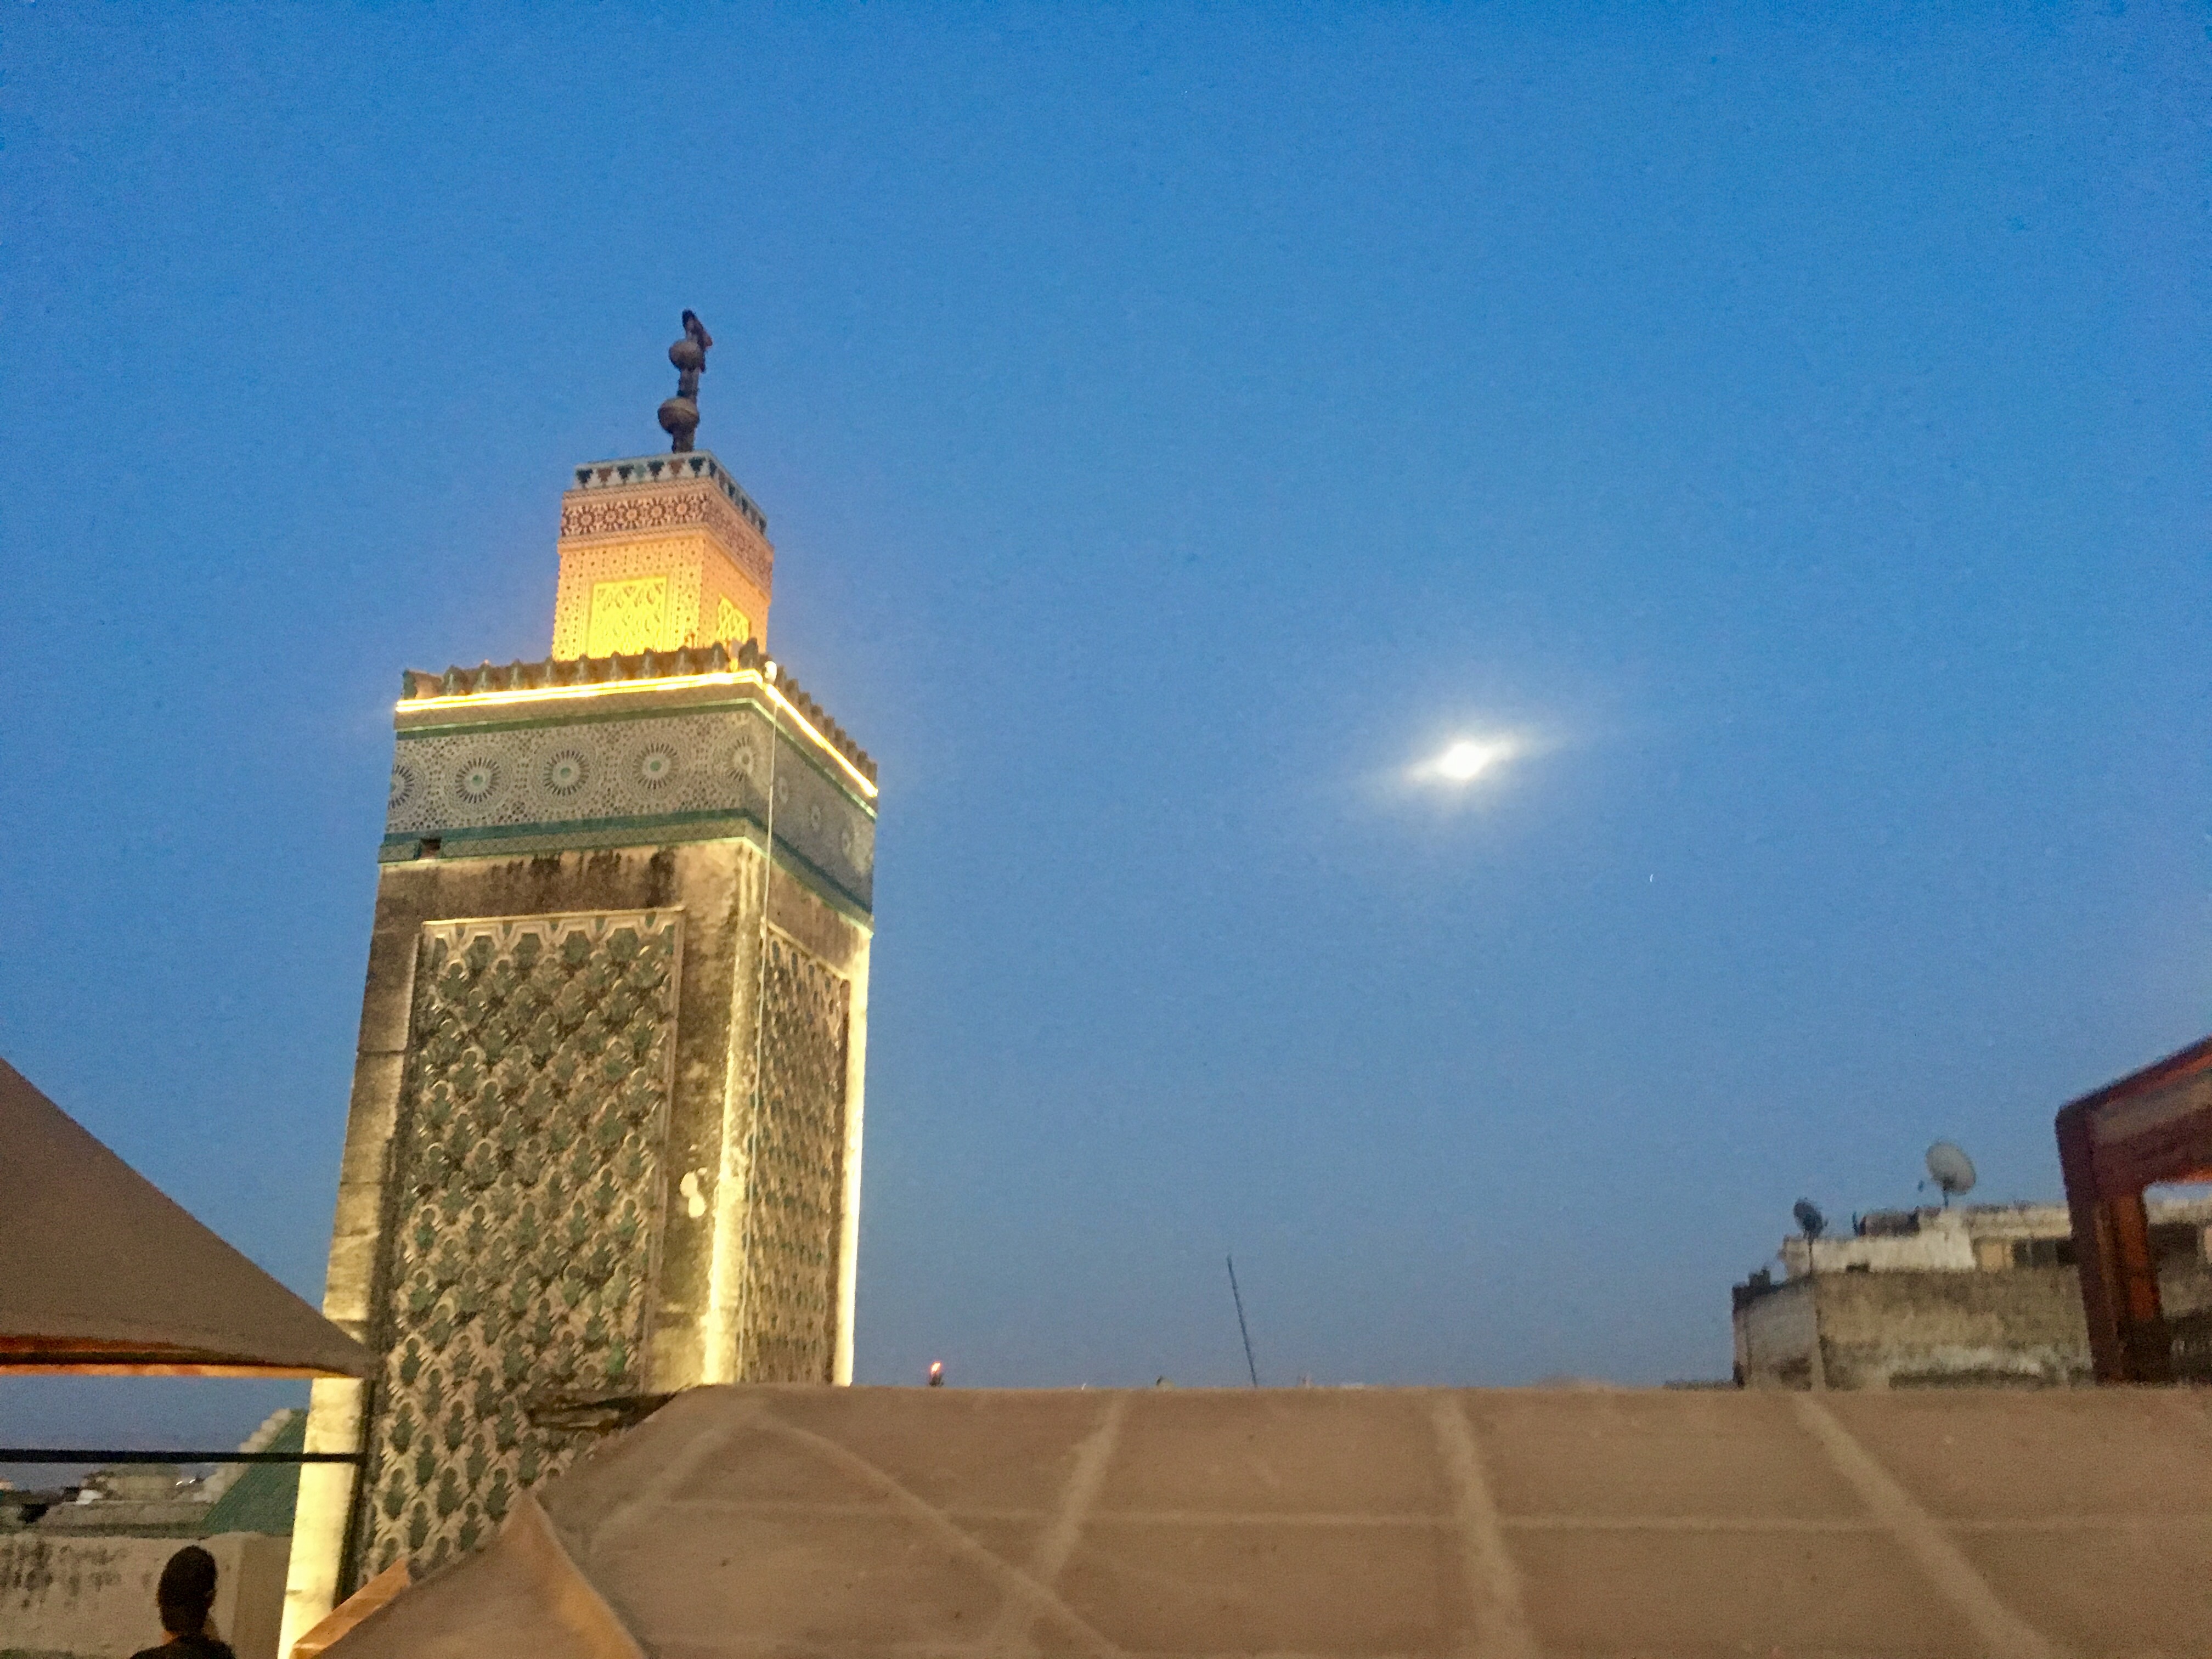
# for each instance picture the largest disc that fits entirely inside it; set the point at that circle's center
(658, 553)
(604, 1135)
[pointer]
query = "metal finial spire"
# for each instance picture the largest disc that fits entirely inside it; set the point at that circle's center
(680, 416)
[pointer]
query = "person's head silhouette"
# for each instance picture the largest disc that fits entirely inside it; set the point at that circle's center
(186, 1592)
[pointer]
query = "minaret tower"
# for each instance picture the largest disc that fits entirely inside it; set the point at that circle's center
(605, 1138)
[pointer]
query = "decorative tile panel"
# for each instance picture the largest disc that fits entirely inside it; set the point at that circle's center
(718, 663)
(820, 823)
(796, 1193)
(650, 774)
(681, 516)
(525, 1187)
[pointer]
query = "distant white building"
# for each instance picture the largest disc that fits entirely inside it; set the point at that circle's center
(1973, 1295)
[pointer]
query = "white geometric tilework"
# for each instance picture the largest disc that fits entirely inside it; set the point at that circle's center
(653, 774)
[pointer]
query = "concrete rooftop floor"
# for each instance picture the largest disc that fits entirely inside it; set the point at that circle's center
(943, 1524)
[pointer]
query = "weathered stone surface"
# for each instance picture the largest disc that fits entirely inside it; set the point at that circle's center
(93, 1597)
(451, 1159)
(727, 1214)
(1919, 1329)
(527, 1175)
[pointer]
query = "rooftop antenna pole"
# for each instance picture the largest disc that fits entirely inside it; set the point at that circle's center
(1242, 1330)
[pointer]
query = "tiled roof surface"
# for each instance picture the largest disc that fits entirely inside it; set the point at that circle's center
(262, 1495)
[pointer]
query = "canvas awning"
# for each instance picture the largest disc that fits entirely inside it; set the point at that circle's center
(101, 1273)
(1357, 1523)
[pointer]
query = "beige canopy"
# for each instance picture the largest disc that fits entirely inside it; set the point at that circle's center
(942, 1523)
(100, 1273)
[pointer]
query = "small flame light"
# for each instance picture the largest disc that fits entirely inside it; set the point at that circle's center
(937, 1373)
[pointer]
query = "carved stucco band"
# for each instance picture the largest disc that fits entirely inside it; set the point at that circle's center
(584, 517)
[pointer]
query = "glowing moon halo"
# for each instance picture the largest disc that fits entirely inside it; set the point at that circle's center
(1467, 759)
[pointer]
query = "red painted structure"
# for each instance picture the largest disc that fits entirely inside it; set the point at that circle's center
(2152, 1125)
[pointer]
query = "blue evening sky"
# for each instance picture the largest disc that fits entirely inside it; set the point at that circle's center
(1174, 423)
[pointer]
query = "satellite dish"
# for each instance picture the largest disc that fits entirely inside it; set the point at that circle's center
(1950, 1169)
(1810, 1219)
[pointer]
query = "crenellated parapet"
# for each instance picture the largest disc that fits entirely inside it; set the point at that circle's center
(670, 469)
(554, 673)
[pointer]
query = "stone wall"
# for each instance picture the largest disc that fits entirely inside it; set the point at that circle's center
(1774, 1333)
(531, 1223)
(2022, 1327)
(93, 1597)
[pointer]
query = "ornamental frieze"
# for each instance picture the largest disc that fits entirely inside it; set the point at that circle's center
(584, 514)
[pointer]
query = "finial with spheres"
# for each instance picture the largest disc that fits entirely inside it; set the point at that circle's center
(680, 416)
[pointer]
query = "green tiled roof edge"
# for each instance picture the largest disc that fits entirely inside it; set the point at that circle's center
(263, 1498)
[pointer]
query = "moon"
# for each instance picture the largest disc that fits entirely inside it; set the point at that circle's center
(1466, 759)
